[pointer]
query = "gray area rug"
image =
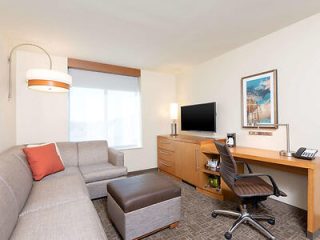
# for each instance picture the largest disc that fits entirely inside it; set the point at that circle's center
(197, 223)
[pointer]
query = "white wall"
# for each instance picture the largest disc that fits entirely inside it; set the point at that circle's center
(7, 108)
(40, 116)
(294, 51)
(43, 117)
(157, 92)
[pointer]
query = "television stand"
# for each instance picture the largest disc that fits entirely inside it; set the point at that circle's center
(181, 157)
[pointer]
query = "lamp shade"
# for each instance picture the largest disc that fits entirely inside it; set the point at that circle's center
(48, 80)
(174, 111)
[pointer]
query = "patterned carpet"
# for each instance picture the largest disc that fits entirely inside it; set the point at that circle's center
(197, 222)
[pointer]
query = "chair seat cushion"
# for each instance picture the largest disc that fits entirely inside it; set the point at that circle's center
(251, 187)
(55, 191)
(141, 191)
(74, 220)
(102, 171)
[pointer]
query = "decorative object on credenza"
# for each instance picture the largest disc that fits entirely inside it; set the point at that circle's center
(214, 181)
(231, 139)
(259, 100)
(174, 117)
(40, 78)
(287, 152)
(213, 165)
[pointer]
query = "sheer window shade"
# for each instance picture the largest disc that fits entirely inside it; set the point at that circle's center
(105, 106)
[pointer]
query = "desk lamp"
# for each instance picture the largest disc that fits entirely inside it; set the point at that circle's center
(287, 152)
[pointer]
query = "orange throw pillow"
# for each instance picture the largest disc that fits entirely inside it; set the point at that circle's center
(43, 160)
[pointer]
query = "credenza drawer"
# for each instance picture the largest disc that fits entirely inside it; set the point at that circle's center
(165, 155)
(166, 166)
(165, 144)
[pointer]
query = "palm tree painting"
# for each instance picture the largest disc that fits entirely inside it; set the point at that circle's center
(259, 100)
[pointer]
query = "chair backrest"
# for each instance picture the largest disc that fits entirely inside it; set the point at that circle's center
(228, 166)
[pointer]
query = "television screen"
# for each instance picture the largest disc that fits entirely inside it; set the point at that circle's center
(200, 117)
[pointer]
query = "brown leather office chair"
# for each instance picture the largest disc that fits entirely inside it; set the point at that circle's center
(250, 188)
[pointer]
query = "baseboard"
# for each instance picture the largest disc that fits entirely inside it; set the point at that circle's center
(135, 173)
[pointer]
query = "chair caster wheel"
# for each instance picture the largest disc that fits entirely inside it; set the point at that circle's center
(272, 221)
(214, 215)
(228, 235)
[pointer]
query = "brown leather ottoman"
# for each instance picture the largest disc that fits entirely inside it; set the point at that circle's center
(141, 205)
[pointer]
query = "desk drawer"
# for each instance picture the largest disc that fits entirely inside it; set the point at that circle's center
(165, 144)
(166, 155)
(166, 166)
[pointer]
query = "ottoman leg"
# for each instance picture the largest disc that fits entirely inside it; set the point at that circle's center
(171, 226)
(174, 225)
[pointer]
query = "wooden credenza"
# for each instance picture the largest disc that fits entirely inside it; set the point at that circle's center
(181, 157)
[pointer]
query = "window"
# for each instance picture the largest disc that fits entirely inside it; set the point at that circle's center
(105, 106)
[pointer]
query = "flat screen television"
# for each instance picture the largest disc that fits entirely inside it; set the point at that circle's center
(200, 117)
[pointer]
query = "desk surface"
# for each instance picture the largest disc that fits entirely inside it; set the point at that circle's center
(263, 155)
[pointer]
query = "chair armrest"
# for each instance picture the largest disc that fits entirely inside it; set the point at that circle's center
(276, 190)
(246, 164)
(115, 157)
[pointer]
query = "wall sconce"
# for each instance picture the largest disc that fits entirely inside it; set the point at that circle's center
(42, 79)
(174, 117)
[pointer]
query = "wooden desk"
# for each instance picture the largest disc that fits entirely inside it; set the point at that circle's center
(289, 164)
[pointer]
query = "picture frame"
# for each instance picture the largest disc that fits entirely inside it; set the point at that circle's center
(259, 100)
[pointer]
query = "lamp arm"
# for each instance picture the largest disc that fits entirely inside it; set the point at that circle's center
(10, 58)
(287, 132)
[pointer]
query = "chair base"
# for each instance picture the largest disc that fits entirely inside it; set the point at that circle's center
(245, 217)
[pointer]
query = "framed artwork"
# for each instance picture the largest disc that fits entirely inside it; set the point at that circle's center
(259, 100)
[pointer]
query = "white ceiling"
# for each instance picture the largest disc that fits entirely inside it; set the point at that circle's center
(167, 35)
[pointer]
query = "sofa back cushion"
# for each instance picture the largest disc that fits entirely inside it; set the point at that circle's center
(69, 153)
(92, 152)
(8, 211)
(17, 177)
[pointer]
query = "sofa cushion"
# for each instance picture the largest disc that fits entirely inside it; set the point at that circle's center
(8, 211)
(73, 220)
(99, 172)
(17, 177)
(43, 160)
(92, 152)
(56, 191)
(69, 153)
(69, 171)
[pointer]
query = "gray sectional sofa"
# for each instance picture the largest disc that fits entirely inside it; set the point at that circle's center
(59, 206)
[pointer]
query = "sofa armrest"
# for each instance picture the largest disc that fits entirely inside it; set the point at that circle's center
(115, 157)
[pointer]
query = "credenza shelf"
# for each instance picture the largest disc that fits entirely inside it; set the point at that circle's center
(208, 171)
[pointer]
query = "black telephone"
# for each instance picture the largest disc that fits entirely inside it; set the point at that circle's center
(305, 153)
